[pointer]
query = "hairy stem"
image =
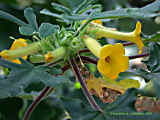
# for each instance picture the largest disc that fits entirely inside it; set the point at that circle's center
(88, 59)
(84, 87)
(82, 27)
(36, 102)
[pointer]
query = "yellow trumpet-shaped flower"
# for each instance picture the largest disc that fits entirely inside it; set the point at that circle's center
(112, 60)
(18, 43)
(134, 36)
(121, 86)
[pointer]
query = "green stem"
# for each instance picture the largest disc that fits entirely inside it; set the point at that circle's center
(82, 27)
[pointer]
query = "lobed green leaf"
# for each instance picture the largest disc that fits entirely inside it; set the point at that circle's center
(7, 16)
(22, 75)
(31, 18)
(47, 29)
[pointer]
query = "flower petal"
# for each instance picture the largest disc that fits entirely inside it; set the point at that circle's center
(103, 66)
(105, 51)
(18, 44)
(49, 57)
(118, 49)
(116, 63)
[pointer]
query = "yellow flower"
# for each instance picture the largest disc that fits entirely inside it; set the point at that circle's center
(57, 54)
(121, 86)
(49, 57)
(18, 43)
(112, 60)
(134, 36)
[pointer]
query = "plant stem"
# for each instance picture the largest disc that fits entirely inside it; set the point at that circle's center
(139, 56)
(84, 87)
(52, 63)
(88, 59)
(128, 43)
(82, 27)
(36, 102)
(84, 51)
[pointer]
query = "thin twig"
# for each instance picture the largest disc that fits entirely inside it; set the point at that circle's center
(84, 87)
(36, 102)
(84, 51)
(128, 43)
(139, 56)
(53, 63)
(82, 27)
(88, 59)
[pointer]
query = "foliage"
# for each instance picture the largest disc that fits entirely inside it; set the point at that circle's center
(56, 36)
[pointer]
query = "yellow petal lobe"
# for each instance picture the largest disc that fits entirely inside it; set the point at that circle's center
(113, 62)
(138, 39)
(18, 43)
(49, 57)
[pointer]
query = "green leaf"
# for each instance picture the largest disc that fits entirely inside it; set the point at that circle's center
(31, 18)
(156, 83)
(115, 14)
(144, 74)
(49, 13)
(26, 30)
(47, 29)
(7, 16)
(72, 4)
(153, 7)
(85, 4)
(153, 63)
(49, 109)
(146, 12)
(152, 38)
(61, 8)
(79, 108)
(22, 75)
(32, 27)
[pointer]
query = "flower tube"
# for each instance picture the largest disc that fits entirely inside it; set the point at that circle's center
(134, 36)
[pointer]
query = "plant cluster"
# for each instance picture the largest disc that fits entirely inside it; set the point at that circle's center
(53, 54)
